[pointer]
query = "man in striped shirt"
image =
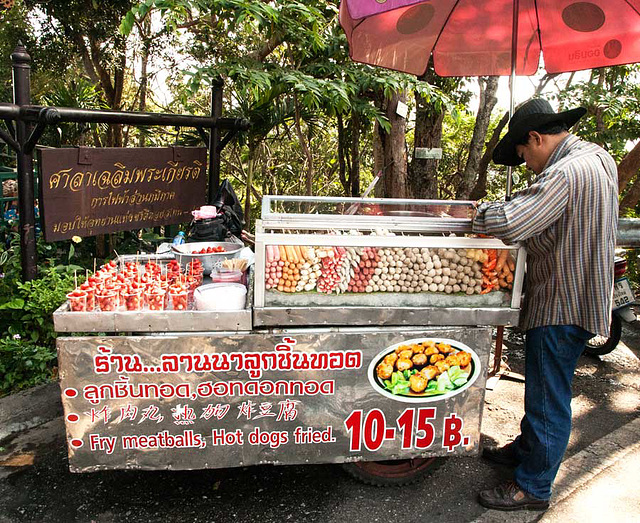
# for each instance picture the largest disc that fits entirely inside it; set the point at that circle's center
(567, 219)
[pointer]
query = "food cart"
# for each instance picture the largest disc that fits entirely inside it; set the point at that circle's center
(365, 337)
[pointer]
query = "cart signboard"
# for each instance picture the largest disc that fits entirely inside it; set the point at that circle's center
(289, 397)
(89, 191)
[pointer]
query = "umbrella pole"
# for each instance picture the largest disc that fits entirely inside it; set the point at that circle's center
(512, 84)
(497, 356)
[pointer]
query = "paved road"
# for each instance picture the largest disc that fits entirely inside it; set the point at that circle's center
(606, 398)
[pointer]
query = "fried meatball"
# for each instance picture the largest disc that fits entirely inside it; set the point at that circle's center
(464, 358)
(445, 348)
(417, 348)
(390, 359)
(400, 348)
(436, 357)
(441, 366)
(431, 350)
(452, 359)
(429, 372)
(429, 343)
(417, 382)
(406, 354)
(419, 359)
(384, 371)
(404, 364)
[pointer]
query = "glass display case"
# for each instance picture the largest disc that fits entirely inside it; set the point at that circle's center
(353, 261)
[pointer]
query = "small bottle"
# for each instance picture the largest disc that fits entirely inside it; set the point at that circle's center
(179, 238)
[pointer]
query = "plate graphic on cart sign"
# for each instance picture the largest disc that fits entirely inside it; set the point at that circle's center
(448, 383)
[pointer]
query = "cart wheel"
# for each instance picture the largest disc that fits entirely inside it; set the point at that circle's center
(393, 473)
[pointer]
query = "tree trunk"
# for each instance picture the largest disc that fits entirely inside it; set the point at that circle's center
(632, 197)
(342, 164)
(144, 62)
(488, 100)
(628, 167)
(247, 193)
(112, 88)
(480, 189)
(423, 172)
(354, 171)
(390, 153)
(305, 148)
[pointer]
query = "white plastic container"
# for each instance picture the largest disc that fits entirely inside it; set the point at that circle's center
(220, 296)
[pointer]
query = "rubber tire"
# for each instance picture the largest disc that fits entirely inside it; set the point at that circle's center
(611, 343)
(393, 473)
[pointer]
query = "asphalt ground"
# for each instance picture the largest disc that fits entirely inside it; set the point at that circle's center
(35, 484)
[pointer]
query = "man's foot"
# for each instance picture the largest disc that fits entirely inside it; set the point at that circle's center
(509, 496)
(504, 455)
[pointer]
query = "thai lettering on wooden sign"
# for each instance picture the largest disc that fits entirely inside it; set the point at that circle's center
(86, 191)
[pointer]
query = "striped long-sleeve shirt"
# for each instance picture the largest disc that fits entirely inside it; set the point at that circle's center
(568, 220)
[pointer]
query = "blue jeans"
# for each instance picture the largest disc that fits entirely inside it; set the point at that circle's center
(551, 356)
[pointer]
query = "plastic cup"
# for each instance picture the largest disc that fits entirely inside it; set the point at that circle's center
(155, 298)
(179, 300)
(77, 301)
(133, 300)
(91, 296)
(107, 300)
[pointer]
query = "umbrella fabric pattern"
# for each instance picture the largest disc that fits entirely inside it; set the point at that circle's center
(474, 37)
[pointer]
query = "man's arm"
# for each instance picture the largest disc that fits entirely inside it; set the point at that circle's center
(528, 214)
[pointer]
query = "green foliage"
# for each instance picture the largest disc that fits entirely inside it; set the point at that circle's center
(77, 92)
(24, 363)
(276, 57)
(27, 350)
(612, 99)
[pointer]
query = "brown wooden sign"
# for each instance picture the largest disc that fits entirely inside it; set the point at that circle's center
(86, 191)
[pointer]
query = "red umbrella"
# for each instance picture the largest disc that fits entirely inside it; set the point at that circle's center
(492, 37)
(476, 37)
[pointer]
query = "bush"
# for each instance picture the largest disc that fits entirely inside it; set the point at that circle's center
(28, 349)
(24, 364)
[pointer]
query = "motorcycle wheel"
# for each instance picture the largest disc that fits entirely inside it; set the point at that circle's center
(599, 345)
(393, 473)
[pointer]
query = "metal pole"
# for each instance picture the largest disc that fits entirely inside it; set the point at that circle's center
(22, 96)
(512, 84)
(214, 140)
